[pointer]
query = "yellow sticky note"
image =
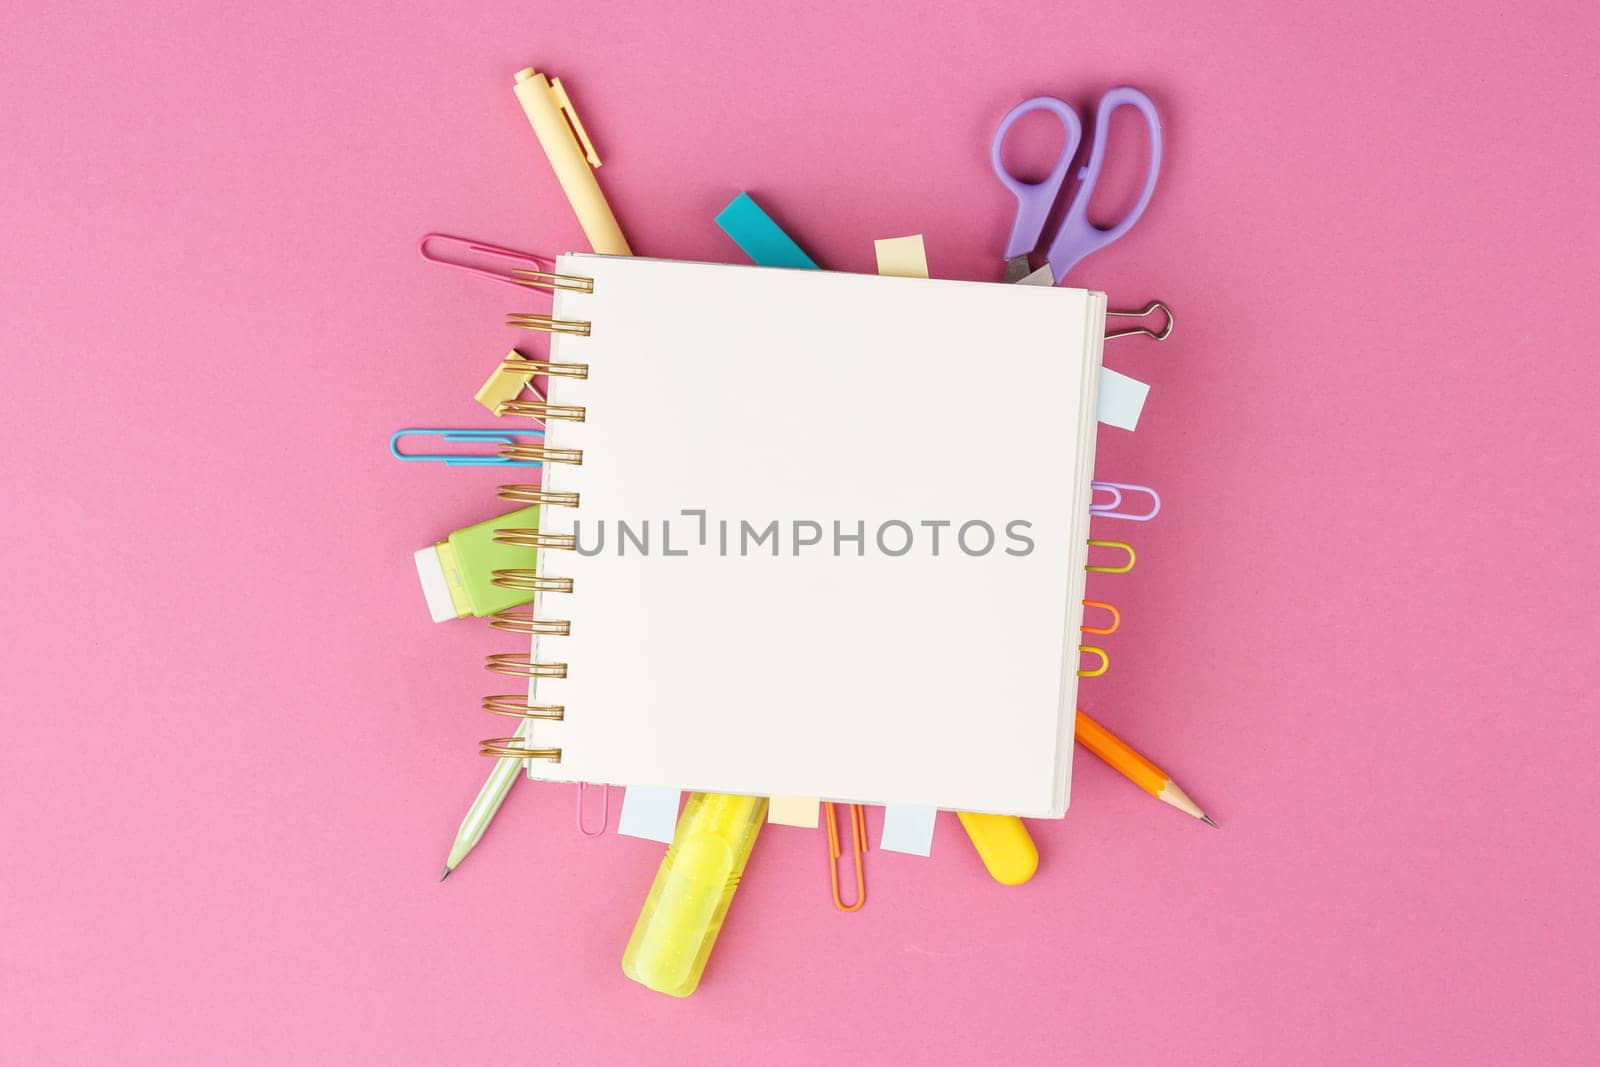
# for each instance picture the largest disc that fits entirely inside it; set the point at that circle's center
(902, 257)
(503, 384)
(793, 811)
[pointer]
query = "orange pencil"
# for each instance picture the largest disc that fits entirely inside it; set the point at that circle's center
(1134, 767)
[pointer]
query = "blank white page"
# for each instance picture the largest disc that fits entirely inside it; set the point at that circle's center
(885, 673)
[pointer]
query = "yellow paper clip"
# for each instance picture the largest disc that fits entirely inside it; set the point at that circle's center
(1101, 568)
(1105, 661)
(858, 827)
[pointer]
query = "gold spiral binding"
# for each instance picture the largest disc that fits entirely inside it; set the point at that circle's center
(547, 323)
(510, 535)
(537, 494)
(544, 412)
(516, 707)
(512, 621)
(545, 367)
(517, 665)
(538, 279)
(513, 748)
(543, 454)
(529, 581)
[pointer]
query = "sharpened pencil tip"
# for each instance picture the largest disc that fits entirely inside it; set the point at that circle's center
(1208, 820)
(447, 870)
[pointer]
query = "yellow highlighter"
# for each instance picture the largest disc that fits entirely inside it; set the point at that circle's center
(1003, 844)
(689, 899)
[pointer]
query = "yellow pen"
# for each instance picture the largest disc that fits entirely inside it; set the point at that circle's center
(572, 157)
(694, 886)
(1004, 845)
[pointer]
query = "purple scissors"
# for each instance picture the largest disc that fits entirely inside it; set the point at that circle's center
(1077, 236)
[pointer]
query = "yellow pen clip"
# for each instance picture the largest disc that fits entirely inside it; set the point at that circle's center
(564, 102)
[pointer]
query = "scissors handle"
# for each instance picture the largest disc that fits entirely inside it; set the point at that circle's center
(1077, 236)
(1034, 199)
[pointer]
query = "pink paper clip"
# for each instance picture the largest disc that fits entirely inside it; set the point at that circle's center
(1109, 508)
(510, 277)
(605, 810)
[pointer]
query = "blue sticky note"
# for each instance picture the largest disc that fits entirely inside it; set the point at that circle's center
(1121, 399)
(908, 828)
(650, 812)
(754, 231)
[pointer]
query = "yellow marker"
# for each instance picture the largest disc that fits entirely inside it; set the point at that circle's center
(689, 899)
(572, 157)
(1004, 845)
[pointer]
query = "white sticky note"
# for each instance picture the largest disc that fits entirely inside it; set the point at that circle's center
(908, 828)
(650, 812)
(793, 811)
(1121, 399)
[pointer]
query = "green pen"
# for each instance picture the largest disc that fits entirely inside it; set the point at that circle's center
(458, 579)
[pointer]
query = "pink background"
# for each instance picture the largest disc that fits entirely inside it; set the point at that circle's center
(1361, 633)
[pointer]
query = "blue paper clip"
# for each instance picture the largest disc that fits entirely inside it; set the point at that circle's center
(497, 436)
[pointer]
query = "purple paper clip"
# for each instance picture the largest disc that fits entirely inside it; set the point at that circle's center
(1109, 509)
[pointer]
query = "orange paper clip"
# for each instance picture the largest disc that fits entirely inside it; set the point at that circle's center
(858, 827)
(1101, 631)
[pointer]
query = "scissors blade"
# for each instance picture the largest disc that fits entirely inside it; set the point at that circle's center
(1017, 268)
(1042, 276)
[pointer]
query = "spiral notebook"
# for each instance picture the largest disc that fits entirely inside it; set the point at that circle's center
(829, 533)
